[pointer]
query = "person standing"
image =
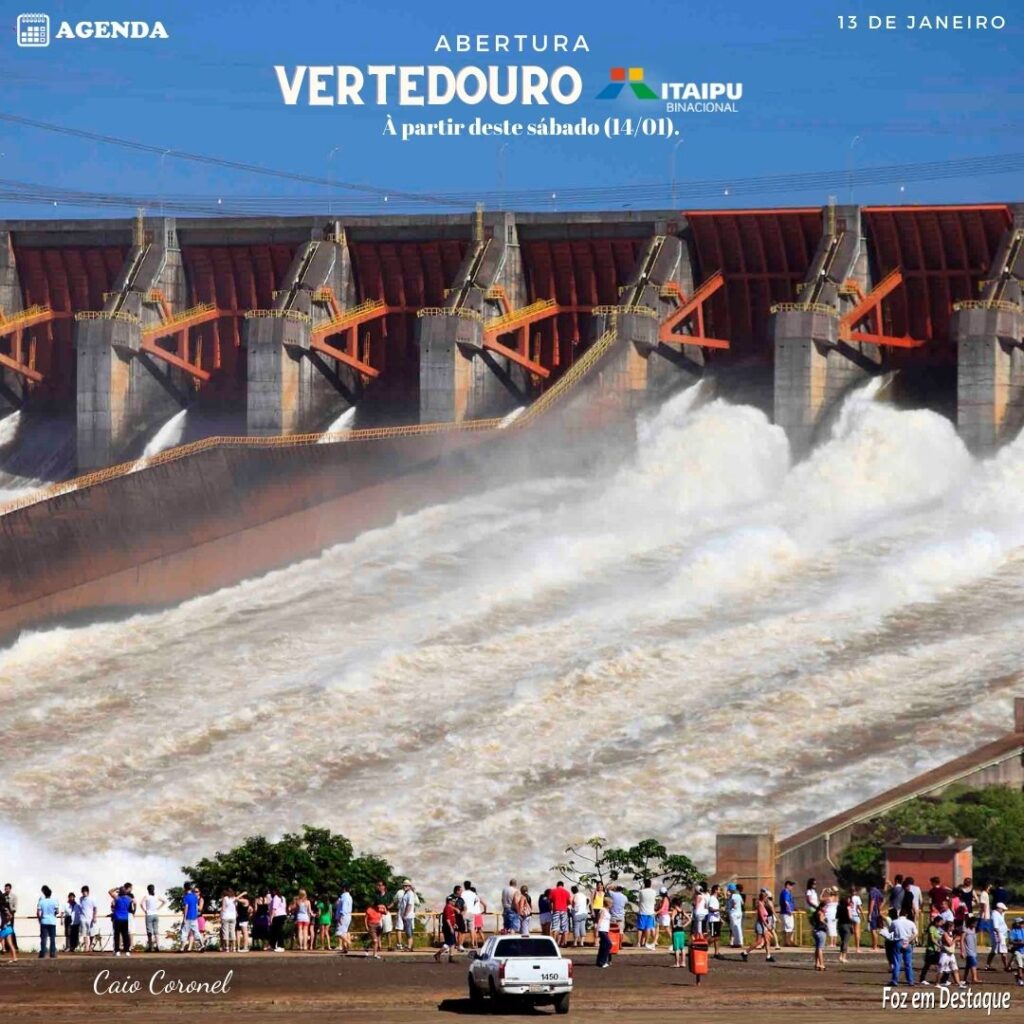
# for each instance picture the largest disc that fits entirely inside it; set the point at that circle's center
(875, 922)
(662, 916)
(560, 899)
(449, 929)
(151, 906)
(478, 919)
(811, 896)
(544, 911)
(714, 921)
(407, 914)
(700, 909)
(10, 898)
(471, 906)
(7, 932)
(819, 932)
(524, 908)
(343, 919)
(787, 906)
(999, 936)
(645, 915)
(278, 913)
(969, 948)
(680, 920)
(762, 929)
(375, 911)
(243, 911)
(72, 923)
(932, 948)
(598, 900)
(90, 924)
(1015, 941)
(324, 914)
(830, 900)
(984, 914)
(387, 924)
(903, 933)
(735, 906)
(191, 908)
(604, 942)
(228, 921)
(47, 911)
(508, 899)
(616, 902)
(844, 925)
(579, 909)
(121, 910)
(856, 914)
(303, 910)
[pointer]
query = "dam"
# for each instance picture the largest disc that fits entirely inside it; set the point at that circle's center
(537, 501)
(252, 336)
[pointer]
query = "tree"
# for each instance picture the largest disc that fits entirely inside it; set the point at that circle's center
(993, 816)
(318, 861)
(647, 859)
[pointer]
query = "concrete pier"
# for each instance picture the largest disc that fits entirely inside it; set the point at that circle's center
(292, 388)
(989, 333)
(814, 369)
(459, 378)
(122, 392)
(12, 385)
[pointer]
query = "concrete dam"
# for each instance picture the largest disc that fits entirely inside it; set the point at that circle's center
(444, 344)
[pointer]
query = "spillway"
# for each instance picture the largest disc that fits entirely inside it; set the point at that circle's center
(692, 635)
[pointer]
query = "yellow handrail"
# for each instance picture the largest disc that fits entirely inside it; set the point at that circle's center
(510, 319)
(179, 318)
(805, 307)
(565, 383)
(22, 315)
(631, 310)
(102, 314)
(462, 311)
(998, 304)
(349, 315)
(278, 314)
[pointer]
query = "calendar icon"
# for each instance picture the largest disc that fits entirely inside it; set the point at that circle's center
(33, 30)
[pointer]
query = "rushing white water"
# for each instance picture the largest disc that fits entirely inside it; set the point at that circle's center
(343, 422)
(169, 435)
(703, 638)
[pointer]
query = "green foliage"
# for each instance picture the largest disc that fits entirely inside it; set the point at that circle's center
(993, 816)
(317, 861)
(594, 861)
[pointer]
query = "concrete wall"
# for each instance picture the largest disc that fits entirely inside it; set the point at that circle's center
(814, 369)
(12, 385)
(748, 858)
(990, 360)
(124, 394)
(291, 387)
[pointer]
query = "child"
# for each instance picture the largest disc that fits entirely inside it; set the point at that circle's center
(947, 956)
(7, 933)
(680, 920)
(969, 946)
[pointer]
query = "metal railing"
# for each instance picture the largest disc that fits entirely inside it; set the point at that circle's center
(564, 384)
(349, 316)
(626, 310)
(507, 321)
(103, 314)
(278, 314)
(805, 307)
(179, 318)
(462, 311)
(999, 305)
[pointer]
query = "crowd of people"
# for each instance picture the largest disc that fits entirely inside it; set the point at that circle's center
(897, 917)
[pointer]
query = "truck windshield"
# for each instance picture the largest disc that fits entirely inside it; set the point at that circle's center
(526, 948)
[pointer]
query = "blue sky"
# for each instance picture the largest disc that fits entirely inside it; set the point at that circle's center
(809, 90)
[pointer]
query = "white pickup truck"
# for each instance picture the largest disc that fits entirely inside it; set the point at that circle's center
(528, 968)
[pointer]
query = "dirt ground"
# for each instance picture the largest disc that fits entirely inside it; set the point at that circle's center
(410, 989)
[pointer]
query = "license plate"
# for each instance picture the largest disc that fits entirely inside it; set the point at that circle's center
(540, 988)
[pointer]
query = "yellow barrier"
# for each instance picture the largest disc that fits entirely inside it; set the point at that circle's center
(102, 314)
(805, 307)
(466, 314)
(278, 314)
(629, 310)
(996, 304)
(186, 314)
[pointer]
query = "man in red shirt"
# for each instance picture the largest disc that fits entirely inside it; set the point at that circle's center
(560, 899)
(939, 895)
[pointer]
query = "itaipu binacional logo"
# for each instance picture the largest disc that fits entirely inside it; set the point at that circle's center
(618, 77)
(679, 97)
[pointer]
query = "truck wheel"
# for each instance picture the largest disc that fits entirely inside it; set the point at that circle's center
(496, 1000)
(562, 1003)
(476, 997)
